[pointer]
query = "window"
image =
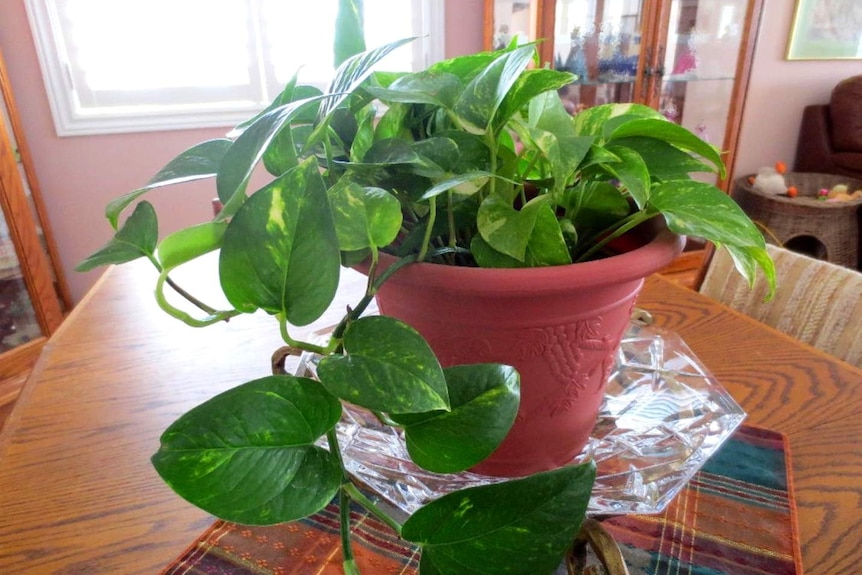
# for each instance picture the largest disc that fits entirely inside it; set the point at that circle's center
(141, 65)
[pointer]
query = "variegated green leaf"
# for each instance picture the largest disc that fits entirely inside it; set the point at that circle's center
(391, 124)
(747, 259)
(506, 229)
(699, 209)
(248, 454)
(137, 238)
(364, 216)
(528, 86)
(465, 184)
(469, 532)
(483, 95)
(352, 72)
(388, 367)
(484, 400)
(547, 247)
(661, 129)
(664, 161)
(280, 251)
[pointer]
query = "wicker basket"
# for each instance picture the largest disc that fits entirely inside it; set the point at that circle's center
(825, 230)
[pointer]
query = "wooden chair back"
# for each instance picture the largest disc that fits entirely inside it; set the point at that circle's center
(817, 302)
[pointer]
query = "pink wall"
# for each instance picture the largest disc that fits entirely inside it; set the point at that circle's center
(79, 175)
(779, 90)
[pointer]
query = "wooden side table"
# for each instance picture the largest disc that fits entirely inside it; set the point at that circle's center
(825, 230)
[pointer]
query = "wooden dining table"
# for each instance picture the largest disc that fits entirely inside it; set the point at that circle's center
(78, 494)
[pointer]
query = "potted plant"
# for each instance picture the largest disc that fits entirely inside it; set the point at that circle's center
(474, 164)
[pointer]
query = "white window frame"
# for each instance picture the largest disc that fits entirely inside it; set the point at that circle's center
(71, 119)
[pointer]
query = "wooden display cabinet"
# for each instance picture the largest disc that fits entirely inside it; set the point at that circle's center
(689, 59)
(33, 294)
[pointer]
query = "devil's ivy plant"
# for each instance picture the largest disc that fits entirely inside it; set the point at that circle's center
(473, 161)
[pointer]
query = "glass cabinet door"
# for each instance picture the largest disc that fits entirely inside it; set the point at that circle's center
(698, 69)
(688, 59)
(18, 321)
(507, 20)
(600, 41)
(33, 297)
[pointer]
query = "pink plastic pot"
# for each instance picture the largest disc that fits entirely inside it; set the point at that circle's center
(559, 327)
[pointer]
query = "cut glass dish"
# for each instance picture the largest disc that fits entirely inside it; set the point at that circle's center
(663, 415)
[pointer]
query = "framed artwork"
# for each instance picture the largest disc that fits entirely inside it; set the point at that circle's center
(826, 30)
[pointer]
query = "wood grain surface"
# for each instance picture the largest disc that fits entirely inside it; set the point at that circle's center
(78, 494)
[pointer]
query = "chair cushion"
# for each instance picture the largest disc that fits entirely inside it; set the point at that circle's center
(846, 111)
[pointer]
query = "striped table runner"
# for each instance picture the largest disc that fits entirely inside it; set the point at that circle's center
(736, 516)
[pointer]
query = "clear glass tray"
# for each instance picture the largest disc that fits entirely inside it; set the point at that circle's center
(662, 417)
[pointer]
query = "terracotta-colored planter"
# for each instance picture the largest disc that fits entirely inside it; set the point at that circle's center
(558, 326)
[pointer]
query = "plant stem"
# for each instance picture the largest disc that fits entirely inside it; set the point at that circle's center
(176, 287)
(192, 299)
(360, 498)
(183, 316)
(432, 215)
(451, 213)
(303, 345)
(343, 500)
(327, 147)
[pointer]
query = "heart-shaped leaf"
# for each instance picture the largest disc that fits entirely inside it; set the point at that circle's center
(484, 400)
(388, 367)
(664, 161)
(662, 129)
(364, 216)
(595, 204)
(390, 151)
(483, 95)
(529, 85)
(521, 527)
(135, 239)
(198, 162)
(547, 247)
(699, 209)
(280, 251)
(443, 152)
(747, 259)
(506, 229)
(248, 454)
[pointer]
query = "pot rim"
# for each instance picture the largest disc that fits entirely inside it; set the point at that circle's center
(632, 265)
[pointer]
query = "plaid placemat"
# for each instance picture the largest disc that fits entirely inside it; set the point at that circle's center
(736, 516)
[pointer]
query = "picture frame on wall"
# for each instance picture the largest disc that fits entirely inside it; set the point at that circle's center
(826, 30)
